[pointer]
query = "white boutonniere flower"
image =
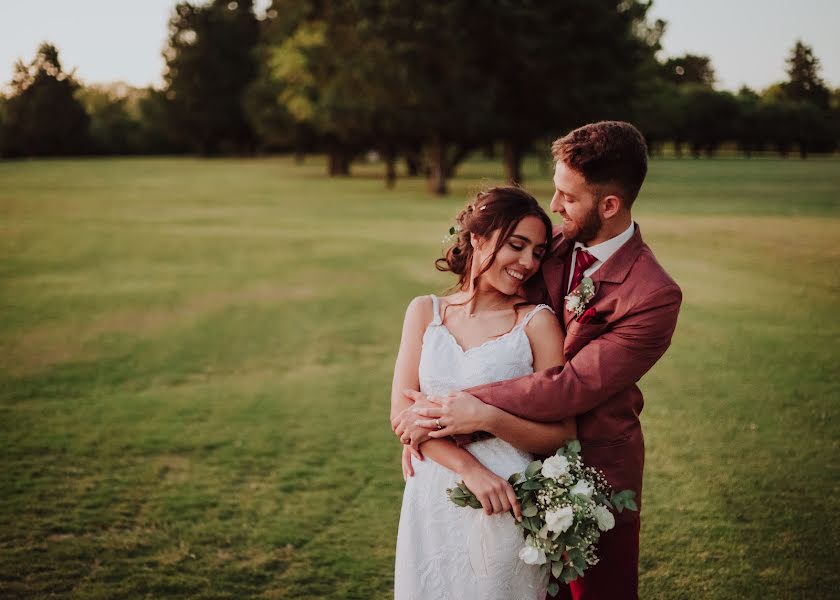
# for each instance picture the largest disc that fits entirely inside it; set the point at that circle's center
(579, 297)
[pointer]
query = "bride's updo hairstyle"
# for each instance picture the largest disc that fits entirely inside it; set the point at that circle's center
(499, 208)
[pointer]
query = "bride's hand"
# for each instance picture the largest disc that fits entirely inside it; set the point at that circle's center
(458, 412)
(495, 494)
(406, 426)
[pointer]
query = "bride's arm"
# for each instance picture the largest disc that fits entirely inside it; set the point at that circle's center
(406, 370)
(540, 438)
(495, 493)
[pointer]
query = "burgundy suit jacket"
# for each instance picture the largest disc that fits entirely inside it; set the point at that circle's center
(637, 304)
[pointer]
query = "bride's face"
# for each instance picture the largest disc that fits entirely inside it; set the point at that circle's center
(517, 260)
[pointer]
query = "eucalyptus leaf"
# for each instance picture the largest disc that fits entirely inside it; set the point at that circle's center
(530, 511)
(553, 589)
(624, 499)
(513, 478)
(533, 468)
(568, 575)
(578, 561)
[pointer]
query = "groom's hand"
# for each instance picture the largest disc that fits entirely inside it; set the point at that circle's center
(458, 412)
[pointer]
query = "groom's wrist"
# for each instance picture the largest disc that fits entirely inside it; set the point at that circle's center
(490, 419)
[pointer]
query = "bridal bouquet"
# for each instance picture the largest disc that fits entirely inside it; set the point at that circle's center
(565, 507)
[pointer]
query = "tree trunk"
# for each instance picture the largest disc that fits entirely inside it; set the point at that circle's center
(390, 168)
(437, 175)
(412, 165)
(678, 148)
(338, 163)
(413, 161)
(460, 154)
(299, 157)
(513, 162)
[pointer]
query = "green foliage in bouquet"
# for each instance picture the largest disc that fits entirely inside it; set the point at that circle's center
(565, 508)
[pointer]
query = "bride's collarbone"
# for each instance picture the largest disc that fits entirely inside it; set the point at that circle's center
(483, 327)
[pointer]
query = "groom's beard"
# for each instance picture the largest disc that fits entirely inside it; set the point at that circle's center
(586, 230)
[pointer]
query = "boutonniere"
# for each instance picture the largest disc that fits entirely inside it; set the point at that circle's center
(579, 297)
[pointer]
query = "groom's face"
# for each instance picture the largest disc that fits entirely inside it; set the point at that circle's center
(575, 201)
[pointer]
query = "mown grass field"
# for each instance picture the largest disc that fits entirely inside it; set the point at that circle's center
(195, 360)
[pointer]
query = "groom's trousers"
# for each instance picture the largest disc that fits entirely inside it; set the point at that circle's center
(616, 576)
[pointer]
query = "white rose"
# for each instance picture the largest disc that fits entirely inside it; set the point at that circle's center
(532, 555)
(583, 488)
(572, 302)
(605, 518)
(560, 520)
(555, 466)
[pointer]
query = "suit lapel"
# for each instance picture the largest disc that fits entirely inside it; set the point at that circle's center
(614, 271)
(618, 265)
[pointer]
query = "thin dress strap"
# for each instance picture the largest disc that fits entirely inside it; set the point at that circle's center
(435, 310)
(534, 311)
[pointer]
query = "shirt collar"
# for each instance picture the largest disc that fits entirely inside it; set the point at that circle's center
(606, 249)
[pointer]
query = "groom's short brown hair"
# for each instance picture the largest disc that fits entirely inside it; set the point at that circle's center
(607, 153)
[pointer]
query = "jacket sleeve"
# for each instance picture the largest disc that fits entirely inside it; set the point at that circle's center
(606, 365)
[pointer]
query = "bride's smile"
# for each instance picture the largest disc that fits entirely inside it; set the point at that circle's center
(516, 260)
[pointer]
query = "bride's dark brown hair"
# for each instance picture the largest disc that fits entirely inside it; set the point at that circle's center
(499, 208)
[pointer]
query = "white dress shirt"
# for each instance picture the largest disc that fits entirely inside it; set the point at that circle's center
(601, 252)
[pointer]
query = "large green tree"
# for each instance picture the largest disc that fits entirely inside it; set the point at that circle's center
(804, 83)
(570, 62)
(42, 115)
(446, 78)
(209, 63)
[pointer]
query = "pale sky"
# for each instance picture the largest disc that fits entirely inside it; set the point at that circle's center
(122, 40)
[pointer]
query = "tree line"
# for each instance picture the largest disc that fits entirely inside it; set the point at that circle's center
(421, 84)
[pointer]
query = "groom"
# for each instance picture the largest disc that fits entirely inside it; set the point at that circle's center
(612, 339)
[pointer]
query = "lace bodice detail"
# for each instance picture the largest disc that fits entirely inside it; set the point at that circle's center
(445, 366)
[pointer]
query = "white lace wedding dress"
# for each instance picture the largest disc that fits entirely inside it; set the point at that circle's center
(445, 552)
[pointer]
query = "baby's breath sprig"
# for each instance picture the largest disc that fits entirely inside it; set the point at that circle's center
(454, 232)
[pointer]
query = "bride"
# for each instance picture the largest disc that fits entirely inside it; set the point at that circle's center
(483, 332)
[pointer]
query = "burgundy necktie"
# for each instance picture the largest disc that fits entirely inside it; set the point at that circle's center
(583, 260)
